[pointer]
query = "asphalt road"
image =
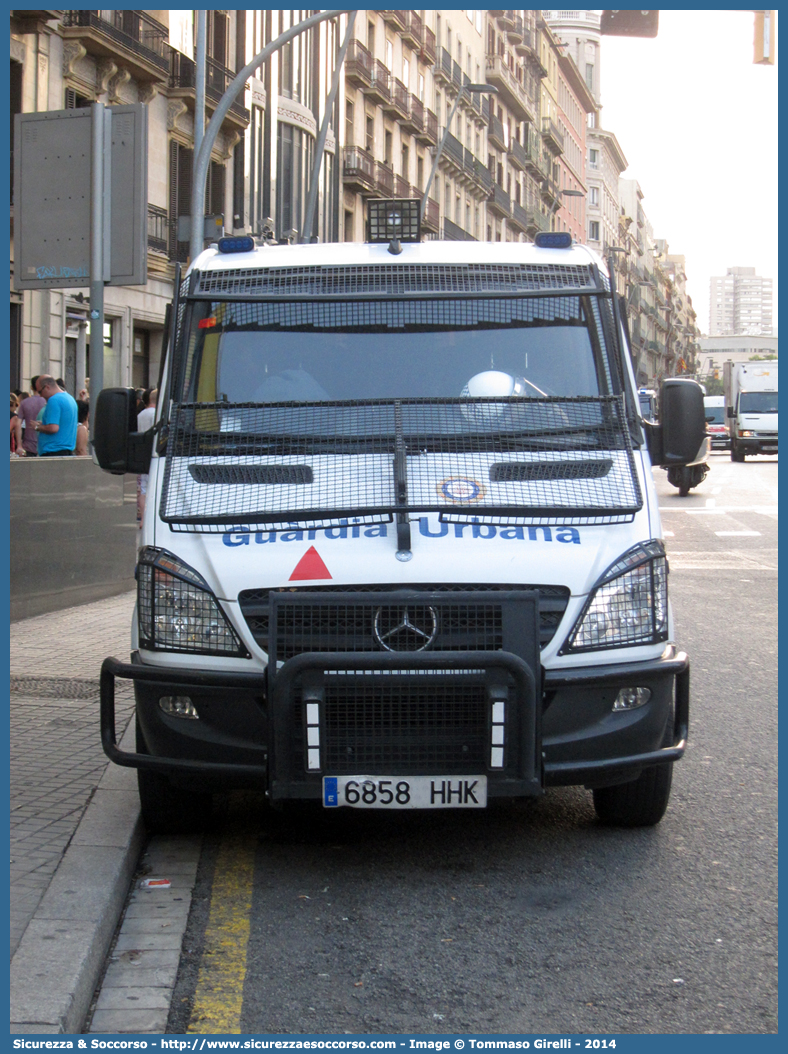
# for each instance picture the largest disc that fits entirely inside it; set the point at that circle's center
(533, 917)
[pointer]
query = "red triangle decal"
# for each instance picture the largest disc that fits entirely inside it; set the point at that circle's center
(310, 566)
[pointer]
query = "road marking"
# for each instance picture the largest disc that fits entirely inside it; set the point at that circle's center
(738, 534)
(218, 998)
(763, 510)
(669, 534)
(711, 503)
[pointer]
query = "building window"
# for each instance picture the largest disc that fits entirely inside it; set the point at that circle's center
(349, 137)
(593, 196)
(590, 76)
(389, 55)
(369, 139)
(593, 231)
(593, 158)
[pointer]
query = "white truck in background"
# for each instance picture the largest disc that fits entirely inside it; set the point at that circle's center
(750, 390)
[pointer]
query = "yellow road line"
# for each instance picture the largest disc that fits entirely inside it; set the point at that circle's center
(218, 999)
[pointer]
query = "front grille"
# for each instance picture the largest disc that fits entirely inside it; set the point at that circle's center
(373, 726)
(351, 627)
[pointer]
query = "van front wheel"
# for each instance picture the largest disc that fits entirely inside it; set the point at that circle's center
(640, 803)
(167, 809)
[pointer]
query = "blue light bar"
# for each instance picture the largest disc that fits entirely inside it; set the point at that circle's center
(553, 240)
(241, 244)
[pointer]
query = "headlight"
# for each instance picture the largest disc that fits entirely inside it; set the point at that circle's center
(745, 433)
(629, 604)
(177, 611)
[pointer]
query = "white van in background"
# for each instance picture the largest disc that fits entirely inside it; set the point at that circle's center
(716, 422)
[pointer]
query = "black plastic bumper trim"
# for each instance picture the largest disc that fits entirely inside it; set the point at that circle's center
(111, 668)
(679, 666)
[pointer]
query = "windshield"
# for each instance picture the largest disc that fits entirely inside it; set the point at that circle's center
(715, 415)
(327, 352)
(758, 403)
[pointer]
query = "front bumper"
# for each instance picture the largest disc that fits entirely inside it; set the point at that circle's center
(249, 737)
(757, 444)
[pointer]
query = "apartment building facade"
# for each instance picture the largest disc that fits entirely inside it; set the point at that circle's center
(740, 302)
(506, 158)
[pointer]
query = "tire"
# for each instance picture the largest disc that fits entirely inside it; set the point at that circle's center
(684, 483)
(736, 454)
(640, 803)
(167, 809)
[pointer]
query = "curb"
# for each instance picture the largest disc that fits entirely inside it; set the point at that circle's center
(58, 964)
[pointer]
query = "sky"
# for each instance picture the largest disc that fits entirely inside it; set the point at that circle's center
(697, 122)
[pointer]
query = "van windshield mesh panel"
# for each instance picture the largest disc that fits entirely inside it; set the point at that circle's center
(497, 408)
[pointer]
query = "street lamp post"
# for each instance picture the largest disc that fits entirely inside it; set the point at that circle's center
(203, 155)
(568, 194)
(470, 89)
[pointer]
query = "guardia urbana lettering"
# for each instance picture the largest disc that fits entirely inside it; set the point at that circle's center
(348, 529)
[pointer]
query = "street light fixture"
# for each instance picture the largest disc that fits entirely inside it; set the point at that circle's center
(568, 194)
(469, 89)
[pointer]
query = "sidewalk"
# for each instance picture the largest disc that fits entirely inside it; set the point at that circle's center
(75, 828)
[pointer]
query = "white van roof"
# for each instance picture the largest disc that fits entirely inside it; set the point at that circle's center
(337, 254)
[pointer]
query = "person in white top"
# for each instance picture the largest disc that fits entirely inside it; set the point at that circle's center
(145, 421)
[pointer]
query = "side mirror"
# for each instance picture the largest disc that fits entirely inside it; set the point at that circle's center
(117, 444)
(683, 422)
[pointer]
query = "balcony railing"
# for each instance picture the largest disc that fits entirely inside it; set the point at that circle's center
(400, 98)
(513, 93)
(538, 219)
(428, 50)
(384, 179)
(413, 32)
(552, 135)
(495, 132)
(358, 168)
(432, 216)
(415, 118)
(217, 81)
(452, 232)
(429, 133)
(453, 150)
(443, 66)
(518, 155)
(134, 31)
(158, 229)
(500, 200)
(358, 64)
(398, 19)
(380, 82)
(402, 188)
(519, 216)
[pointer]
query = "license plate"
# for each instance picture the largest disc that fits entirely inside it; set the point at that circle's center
(411, 792)
(769, 448)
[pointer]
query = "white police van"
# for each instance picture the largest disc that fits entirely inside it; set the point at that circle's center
(402, 546)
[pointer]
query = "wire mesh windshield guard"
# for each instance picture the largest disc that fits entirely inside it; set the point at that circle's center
(494, 460)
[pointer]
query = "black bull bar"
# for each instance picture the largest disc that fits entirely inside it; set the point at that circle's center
(501, 665)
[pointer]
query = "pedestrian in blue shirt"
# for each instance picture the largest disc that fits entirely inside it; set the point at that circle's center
(57, 429)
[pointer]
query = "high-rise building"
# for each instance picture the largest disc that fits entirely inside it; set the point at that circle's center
(740, 302)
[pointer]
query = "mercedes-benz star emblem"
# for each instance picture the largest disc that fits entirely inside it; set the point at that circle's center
(396, 630)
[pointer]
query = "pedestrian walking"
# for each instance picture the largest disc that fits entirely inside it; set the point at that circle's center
(145, 420)
(57, 429)
(29, 409)
(83, 410)
(16, 426)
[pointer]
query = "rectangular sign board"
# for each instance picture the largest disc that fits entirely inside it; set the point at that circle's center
(52, 198)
